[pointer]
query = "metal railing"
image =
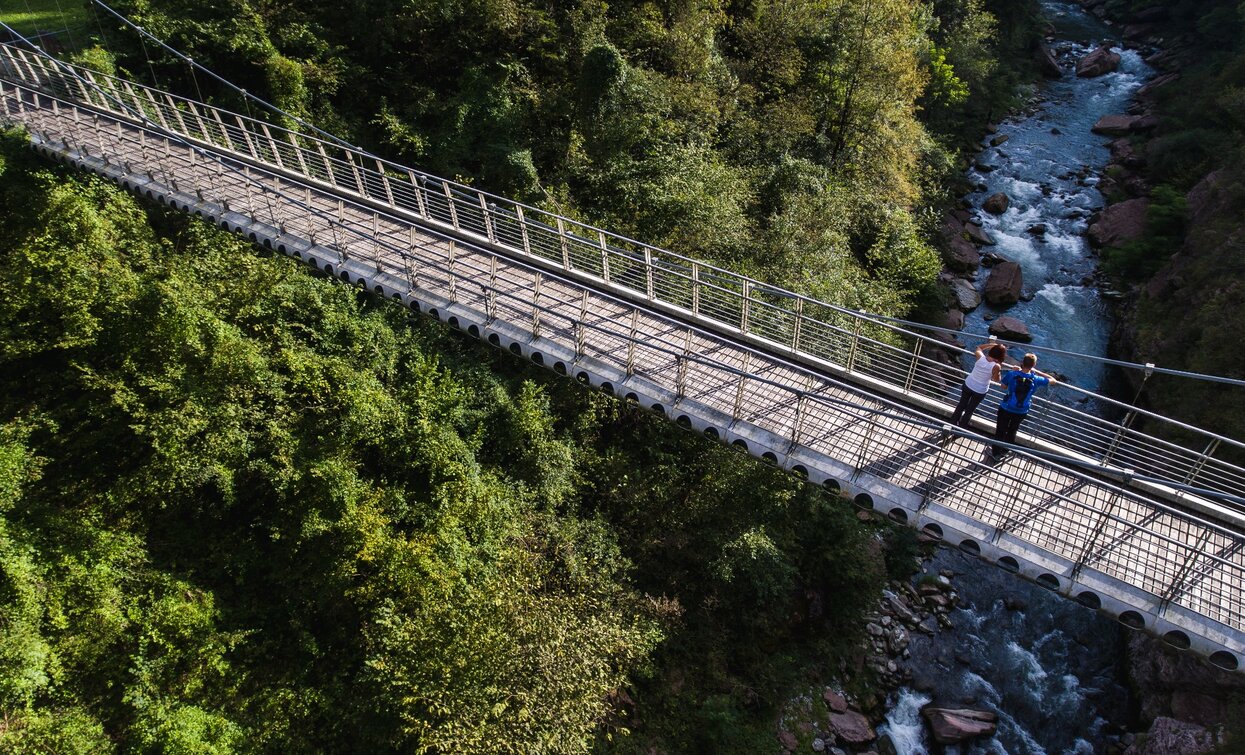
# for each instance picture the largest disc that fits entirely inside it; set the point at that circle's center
(890, 357)
(1176, 557)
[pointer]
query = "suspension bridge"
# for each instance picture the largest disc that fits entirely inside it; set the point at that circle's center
(1104, 511)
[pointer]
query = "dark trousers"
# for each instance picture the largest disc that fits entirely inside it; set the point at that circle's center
(1006, 427)
(969, 400)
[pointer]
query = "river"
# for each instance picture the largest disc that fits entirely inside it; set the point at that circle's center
(1050, 668)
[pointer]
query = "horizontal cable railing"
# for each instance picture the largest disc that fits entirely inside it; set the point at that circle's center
(892, 356)
(1179, 558)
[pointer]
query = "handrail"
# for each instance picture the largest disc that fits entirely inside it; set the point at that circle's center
(797, 325)
(1119, 516)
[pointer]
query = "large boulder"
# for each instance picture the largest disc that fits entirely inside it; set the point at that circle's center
(851, 727)
(964, 295)
(1010, 329)
(961, 256)
(1098, 62)
(954, 725)
(978, 235)
(1115, 125)
(996, 204)
(1120, 223)
(1004, 285)
(1046, 63)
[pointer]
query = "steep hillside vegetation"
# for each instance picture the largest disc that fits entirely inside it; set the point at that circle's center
(243, 508)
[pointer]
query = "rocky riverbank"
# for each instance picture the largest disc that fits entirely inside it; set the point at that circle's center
(830, 721)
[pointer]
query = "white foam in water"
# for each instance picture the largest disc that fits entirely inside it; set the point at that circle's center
(1058, 297)
(903, 723)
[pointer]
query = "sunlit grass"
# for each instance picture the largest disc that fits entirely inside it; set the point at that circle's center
(70, 17)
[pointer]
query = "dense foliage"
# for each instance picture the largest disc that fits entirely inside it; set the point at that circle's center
(243, 508)
(802, 142)
(1188, 269)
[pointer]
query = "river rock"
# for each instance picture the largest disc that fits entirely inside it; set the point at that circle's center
(1115, 125)
(1037, 229)
(886, 745)
(1168, 736)
(1158, 81)
(954, 725)
(978, 235)
(1098, 62)
(996, 204)
(1000, 139)
(1046, 63)
(834, 701)
(1010, 329)
(1004, 284)
(961, 256)
(953, 319)
(788, 741)
(851, 727)
(965, 295)
(1120, 223)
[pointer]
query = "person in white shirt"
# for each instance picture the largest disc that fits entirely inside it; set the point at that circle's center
(977, 384)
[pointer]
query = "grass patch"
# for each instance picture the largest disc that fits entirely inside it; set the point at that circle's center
(69, 19)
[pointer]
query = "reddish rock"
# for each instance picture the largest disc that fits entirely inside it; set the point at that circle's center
(1010, 329)
(1098, 62)
(1004, 284)
(1147, 122)
(961, 256)
(1120, 223)
(1115, 125)
(996, 204)
(851, 727)
(978, 235)
(951, 726)
(835, 701)
(788, 741)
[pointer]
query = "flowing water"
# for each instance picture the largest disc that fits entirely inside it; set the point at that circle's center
(1048, 167)
(1048, 667)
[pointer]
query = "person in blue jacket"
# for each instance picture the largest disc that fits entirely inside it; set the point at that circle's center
(1021, 385)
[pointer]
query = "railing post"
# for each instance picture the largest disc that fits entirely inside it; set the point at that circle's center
(328, 165)
(680, 380)
(272, 146)
(851, 352)
(739, 388)
(795, 327)
(246, 136)
(412, 273)
(384, 182)
(417, 185)
(490, 305)
(451, 255)
(536, 305)
(449, 200)
(489, 232)
(648, 273)
(1200, 464)
(376, 240)
(696, 288)
(635, 319)
(916, 356)
(747, 298)
(298, 152)
(358, 174)
(527, 247)
(580, 329)
(605, 256)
